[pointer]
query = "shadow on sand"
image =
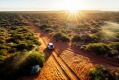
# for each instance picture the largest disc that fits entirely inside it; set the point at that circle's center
(47, 53)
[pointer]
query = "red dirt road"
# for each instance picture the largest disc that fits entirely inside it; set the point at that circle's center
(66, 62)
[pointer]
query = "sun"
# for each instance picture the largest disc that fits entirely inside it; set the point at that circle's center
(73, 9)
(71, 15)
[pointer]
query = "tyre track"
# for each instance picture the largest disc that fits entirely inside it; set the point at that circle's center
(68, 71)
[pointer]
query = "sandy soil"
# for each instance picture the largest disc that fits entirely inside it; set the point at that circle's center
(66, 62)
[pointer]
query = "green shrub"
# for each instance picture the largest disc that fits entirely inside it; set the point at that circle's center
(98, 48)
(20, 64)
(43, 27)
(94, 30)
(48, 30)
(94, 38)
(76, 38)
(61, 37)
(100, 73)
(35, 58)
(97, 73)
(30, 47)
(85, 38)
(114, 46)
(30, 41)
(37, 42)
(2, 59)
(22, 46)
(58, 36)
(65, 38)
(2, 41)
(89, 38)
(3, 46)
(19, 36)
(3, 52)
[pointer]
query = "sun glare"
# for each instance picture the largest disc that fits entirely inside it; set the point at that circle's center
(72, 11)
(72, 14)
(72, 8)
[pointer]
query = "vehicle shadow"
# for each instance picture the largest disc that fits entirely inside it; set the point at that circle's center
(61, 48)
(47, 53)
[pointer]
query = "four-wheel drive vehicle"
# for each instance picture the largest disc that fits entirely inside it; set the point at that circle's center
(50, 46)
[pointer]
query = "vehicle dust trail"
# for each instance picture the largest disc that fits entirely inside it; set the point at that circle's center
(109, 30)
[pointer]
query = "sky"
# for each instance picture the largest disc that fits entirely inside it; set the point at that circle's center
(43, 5)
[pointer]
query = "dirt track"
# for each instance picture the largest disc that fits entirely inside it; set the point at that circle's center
(65, 62)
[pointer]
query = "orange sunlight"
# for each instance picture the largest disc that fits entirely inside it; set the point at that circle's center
(72, 9)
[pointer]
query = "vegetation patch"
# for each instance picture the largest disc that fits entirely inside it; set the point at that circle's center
(61, 37)
(18, 44)
(114, 46)
(102, 73)
(98, 48)
(76, 38)
(35, 58)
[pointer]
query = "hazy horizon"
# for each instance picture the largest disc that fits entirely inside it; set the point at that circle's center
(57, 5)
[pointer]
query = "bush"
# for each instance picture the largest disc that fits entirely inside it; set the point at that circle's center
(96, 73)
(114, 46)
(61, 37)
(20, 64)
(94, 30)
(3, 46)
(2, 41)
(48, 30)
(85, 38)
(19, 36)
(98, 48)
(58, 36)
(100, 73)
(37, 42)
(94, 38)
(89, 38)
(35, 58)
(43, 27)
(76, 38)
(2, 59)
(3, 52)
(22, 46)
(65, 38)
